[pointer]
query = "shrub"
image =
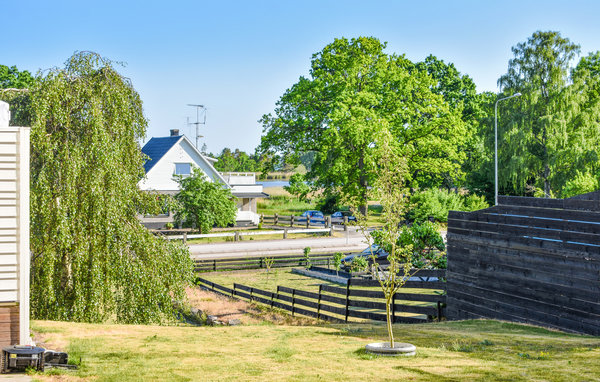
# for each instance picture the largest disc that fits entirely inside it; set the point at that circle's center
(437, 203)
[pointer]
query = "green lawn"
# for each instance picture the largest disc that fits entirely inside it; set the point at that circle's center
(449, 351)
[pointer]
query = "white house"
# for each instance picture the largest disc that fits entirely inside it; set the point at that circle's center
(176, 155)
(14, 232)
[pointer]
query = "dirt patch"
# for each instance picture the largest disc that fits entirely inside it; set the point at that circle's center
(226, 308)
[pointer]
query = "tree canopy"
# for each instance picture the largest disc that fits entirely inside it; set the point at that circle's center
(356, 90)
(91, 258)
(203, 203)
(550, 134)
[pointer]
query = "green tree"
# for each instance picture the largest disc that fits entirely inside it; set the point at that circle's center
(551, 132)
(91, 258)
(298, 187)
(355, 89)
(204, 203)
(14, 89)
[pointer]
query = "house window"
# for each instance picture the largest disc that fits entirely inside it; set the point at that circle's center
(183, 169)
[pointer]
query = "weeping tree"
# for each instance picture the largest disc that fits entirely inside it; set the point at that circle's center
(91, 259)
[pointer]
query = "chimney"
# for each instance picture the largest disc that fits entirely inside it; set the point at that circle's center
(174, 132)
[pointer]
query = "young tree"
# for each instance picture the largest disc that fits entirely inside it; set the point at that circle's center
(91, 258)
(204, 203)
(337, 112)
(391, 192)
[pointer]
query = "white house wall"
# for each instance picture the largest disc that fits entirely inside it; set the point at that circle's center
(161, 176)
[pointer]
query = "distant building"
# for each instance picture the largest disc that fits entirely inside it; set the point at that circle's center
(176, 155)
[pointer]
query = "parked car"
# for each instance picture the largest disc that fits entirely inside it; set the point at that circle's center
(315, 217)
(338, 217)
(366, 253)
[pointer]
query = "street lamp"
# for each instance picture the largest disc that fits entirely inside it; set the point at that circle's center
(496, 145)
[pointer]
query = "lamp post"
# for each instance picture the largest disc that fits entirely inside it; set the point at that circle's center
(496, 146)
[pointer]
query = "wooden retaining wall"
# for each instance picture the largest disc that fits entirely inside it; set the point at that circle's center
(527, 260)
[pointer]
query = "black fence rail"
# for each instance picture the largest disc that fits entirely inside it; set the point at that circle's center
(358, 299)
(528, 260)
(242, 263)
(300, 221)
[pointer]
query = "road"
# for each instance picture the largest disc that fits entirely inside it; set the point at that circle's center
(352, 243)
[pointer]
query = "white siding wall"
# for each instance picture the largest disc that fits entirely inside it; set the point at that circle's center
(160, 177)
(14, 222)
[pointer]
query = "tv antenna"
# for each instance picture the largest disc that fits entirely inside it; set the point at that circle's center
(198, 123)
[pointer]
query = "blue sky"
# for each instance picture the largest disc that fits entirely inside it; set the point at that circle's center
(238, 57)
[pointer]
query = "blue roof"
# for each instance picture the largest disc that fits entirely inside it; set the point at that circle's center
(156, 148)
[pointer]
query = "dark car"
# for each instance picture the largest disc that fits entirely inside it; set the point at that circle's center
(315, 217)
(338, 217)
(366, 253)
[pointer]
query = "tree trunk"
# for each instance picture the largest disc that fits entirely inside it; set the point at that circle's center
(388, 314)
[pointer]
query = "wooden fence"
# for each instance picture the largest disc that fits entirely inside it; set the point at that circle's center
(293, 221)
(242, 263)
(355, 300)
(528, 260)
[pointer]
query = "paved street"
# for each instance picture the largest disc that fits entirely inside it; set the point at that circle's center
(353, 242)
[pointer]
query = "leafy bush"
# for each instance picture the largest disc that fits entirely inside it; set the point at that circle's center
(580, 184)
(328, 204)
(359, 264)
(436, 203)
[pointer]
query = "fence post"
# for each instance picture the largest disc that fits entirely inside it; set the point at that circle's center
(293, 300)
(184, 237)
(307, 222)
(261, 262)
(275, 219)
(236, 236)
(285, 233)
(394, 308)
(292, 221)
(214, 265)
(330, 230)
(262, 219)
(251, 292)
(439, 309)
(347, 299)
(233, 290)
(345, 223)
(319, 303)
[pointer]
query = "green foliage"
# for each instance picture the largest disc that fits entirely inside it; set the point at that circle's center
(427, 245)
(239, 161)
(359, 264)
(355, 92)
(307, 257)
(337, 261)
(13, 78)
(329, 204)
(169, 225)
(298, 187)
(203, 203)
(550, 133)
(91, 258)
(580, 184)
(438, 202)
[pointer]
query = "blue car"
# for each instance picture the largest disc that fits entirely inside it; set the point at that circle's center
(315, 217)
(338, 217)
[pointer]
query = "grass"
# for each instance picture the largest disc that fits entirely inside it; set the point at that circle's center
(451, 351)
(285, 277)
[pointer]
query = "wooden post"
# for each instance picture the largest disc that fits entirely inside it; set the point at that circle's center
(275, 219)
(214, 265)
(251, 292)
(272, 297)
(285, 233)
(328, 221)
(331, 231)
(345, 223)
(347, 299)
(292, 221)
(232, 291)
(439, 309)
(184, 237)
(262, 219)
(261, 262)
(307, 221)
(293, 300)
(319, 303)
